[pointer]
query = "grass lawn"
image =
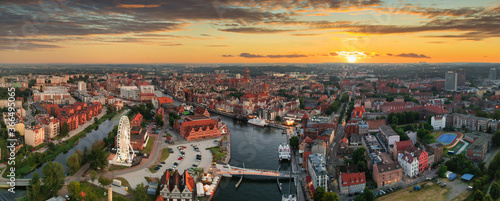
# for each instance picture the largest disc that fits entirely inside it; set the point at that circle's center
(164, 154)
(216, 153)
(462, 196)
(116, 167)
(99, 192)
(147, 179)
(149, 146)
(432, 193)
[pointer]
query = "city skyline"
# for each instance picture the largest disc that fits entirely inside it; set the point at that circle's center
(316, 31)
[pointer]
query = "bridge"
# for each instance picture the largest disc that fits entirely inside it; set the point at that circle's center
(19, 182)
(229, 171)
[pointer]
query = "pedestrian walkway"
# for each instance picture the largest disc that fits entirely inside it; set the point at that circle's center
(466, 144)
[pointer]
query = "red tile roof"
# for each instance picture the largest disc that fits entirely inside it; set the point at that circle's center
(401, 145)
(353, 178)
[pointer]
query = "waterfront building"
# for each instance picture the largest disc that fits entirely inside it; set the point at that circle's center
(196, 127)
(316, 166)
(34, 136)
(174, 186)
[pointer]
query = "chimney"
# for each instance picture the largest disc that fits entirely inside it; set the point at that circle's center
(110, 193)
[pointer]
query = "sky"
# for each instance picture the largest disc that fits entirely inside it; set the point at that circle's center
(249, 31)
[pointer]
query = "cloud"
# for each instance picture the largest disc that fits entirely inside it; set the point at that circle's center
(138, 6)
(334, 54)
(254, 30)
(412, 55)
(389, 54)
(273, 56)
(227, 55)
(305, 34)
(287, 56)
(248, 55)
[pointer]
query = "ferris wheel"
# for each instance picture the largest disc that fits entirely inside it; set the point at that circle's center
(124, 151)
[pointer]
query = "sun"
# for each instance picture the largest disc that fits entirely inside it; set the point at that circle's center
(351, 58)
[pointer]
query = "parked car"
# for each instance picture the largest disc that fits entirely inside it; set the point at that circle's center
(194, 165)
(163, 162)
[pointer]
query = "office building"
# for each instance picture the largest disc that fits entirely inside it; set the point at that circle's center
(460, 78)
(450, 81)
(130, 92)
(493, 74)
(82, 86)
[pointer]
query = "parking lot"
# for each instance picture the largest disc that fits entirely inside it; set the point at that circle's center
(185, 163)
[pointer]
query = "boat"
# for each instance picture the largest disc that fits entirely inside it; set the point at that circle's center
(288, 197)
(284, 152)
(258, 122)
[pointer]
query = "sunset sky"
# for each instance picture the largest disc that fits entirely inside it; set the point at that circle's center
(248, 31)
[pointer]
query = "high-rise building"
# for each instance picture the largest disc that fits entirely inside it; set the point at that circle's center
(493, 74)
(450, 81)
(82, 86)
(460, 78)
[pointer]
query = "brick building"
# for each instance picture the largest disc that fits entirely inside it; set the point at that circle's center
(136, 120)
(387, 174)
(195, 127)
(351, 183)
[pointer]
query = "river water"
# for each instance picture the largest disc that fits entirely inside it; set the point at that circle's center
(87, 141)
(257, 148)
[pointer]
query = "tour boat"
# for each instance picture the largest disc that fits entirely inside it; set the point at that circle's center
(258, 122)
(284, 152)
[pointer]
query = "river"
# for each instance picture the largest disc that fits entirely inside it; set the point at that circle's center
(257, 148)
(87, 141)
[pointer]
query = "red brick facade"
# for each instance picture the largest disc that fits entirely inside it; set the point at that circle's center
(197, 127)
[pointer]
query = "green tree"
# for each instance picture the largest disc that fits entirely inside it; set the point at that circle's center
(495, 191)
(394, 120)
(367, 195)
(330, 196)
(496, 138)
(294, 142)
(139, 192)
(487, 198)
(33, 190)
(319, 193)
(104, 181)
(74, 188)
(442, 171)
(98, 157)
(478, 195)
(93, 175)
(53, 177)
(73, 163)
(64, 129)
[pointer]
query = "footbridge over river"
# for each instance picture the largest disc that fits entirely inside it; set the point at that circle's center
(228, 171)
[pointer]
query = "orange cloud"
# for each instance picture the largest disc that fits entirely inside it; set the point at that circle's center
(138, 6)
